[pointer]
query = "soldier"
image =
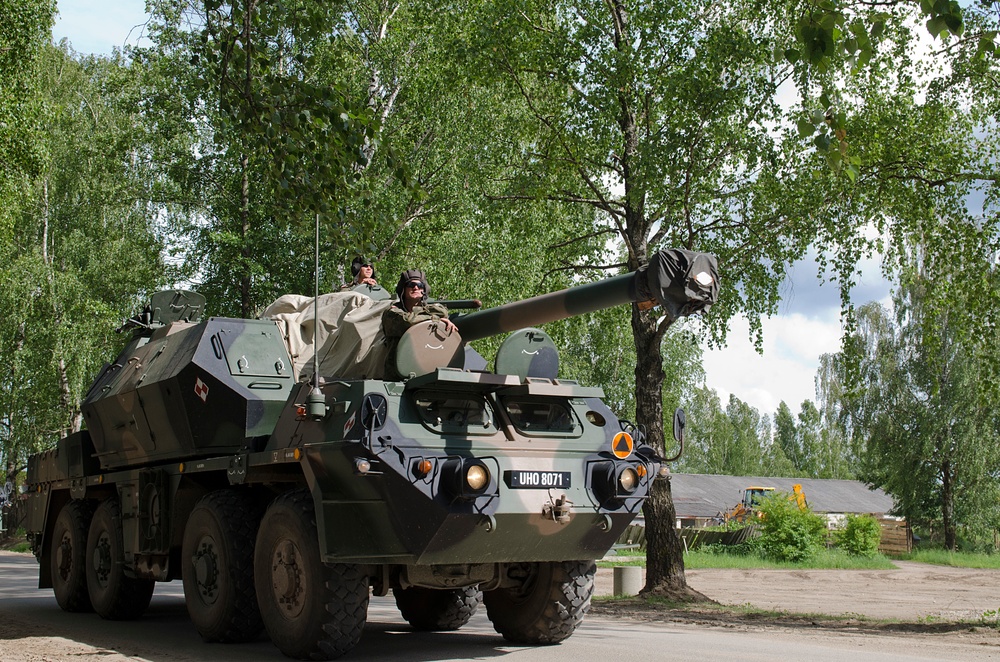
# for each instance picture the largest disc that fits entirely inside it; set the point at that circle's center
(363, 272)
(411, 308)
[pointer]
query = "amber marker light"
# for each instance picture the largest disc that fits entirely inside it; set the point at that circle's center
(297, 454)
(180, 468)
(424, 467)
(641, 470)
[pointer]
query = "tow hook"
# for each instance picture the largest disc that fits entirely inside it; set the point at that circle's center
(557, 510)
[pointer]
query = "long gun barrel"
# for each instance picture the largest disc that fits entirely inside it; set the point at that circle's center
(682, 281)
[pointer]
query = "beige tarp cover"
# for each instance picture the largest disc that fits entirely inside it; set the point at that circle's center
(352, 345)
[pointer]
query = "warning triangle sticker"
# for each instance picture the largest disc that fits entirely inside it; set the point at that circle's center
(622, 445)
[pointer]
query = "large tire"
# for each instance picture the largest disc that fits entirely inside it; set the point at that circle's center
(68, 556)
(217, 567)
(312, 611)
(548, 607)
(438, 609)
(113, 595)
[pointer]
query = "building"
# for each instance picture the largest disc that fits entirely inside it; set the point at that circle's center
(701, 498)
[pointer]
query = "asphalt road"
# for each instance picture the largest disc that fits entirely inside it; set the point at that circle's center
(164, 634)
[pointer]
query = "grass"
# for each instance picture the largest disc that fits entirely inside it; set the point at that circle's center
(15, 542)
(833, 559)
(956, 559)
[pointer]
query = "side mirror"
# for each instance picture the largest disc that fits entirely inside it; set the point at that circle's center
(680, 420)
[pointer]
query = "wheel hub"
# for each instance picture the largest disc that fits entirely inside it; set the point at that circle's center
(206, 570)
(287, 579)
(64, 556)
(102, 559)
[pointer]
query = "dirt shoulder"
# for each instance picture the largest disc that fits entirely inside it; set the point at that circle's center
(916, 598)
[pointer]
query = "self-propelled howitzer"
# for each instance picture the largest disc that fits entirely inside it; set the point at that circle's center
(455, 487)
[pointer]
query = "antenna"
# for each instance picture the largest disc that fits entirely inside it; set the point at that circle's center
(316, 402)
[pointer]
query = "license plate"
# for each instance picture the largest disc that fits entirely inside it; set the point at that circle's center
(538, 480)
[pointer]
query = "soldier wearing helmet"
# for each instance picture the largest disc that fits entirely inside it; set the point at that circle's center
(411, 308)
(363, 273)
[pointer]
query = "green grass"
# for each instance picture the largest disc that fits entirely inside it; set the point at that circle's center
(826, 559)
(956, 559)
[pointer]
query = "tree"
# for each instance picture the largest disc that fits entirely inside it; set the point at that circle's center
(922, 413)
(275, 147)
(87, 244)
(786, 435)
(24, 31)
(642, 112)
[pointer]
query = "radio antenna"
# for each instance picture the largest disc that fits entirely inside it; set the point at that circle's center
(316, 402)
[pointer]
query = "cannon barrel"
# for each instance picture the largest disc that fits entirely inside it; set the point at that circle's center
(683, 282)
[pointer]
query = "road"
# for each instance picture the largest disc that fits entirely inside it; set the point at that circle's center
(33, 629)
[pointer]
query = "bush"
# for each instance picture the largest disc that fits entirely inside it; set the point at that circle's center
(860, 536)
(787, 533)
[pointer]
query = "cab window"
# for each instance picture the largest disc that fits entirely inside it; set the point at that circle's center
(541, 415)
(456, 414)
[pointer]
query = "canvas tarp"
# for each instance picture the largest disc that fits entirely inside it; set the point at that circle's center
(352, 345)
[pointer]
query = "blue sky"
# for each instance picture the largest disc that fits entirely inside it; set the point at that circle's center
(807, 326)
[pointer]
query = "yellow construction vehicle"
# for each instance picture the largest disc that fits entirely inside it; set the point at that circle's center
(747, 507)
(752, 496)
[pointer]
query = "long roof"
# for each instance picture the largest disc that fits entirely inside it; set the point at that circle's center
(704, 495)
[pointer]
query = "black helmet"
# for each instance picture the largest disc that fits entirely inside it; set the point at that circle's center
(358, 262)
(407, 276)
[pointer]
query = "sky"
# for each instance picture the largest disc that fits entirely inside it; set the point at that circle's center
(806, 327)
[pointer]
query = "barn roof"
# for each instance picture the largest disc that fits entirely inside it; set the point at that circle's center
(703, 495)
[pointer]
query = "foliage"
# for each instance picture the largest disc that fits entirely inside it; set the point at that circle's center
(921, 412)
(860, 536)
(823, 559)
(788, 533)
(87, 246)
(24, 31)
(261, 148)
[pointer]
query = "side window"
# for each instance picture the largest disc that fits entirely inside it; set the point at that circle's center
(455, 414)
(533, 415)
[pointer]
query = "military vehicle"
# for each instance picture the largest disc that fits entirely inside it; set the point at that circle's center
(282, 496)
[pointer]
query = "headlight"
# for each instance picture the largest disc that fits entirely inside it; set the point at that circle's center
(477, 477)
(614, 482)
(628, 479)
(465, 478)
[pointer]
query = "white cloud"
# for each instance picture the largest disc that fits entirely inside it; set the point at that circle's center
(808, 327)
(96, 26)
(785, 371)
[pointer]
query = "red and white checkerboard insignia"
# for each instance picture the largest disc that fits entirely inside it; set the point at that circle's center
(201, 389)
(350, 423)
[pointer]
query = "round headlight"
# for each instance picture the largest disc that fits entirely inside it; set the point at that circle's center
(477, 477)
(628, 479)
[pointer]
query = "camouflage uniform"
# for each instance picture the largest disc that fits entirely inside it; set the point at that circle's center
(396, 320)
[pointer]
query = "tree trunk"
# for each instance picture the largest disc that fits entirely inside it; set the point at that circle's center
(664, 548)
(948, 505)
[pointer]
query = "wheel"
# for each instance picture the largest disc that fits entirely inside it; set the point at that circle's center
(311, 610)
(217, 567)
(114, 595)
(547, 607)
(438, 609)
(68, 556)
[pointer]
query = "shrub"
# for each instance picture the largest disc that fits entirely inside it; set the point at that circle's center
(860, 536)
(787, 533)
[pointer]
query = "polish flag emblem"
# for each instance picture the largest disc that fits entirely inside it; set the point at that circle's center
(201, 389)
